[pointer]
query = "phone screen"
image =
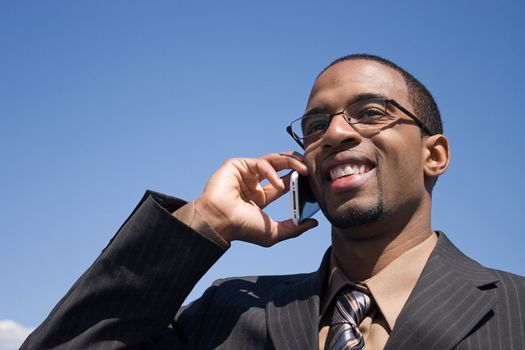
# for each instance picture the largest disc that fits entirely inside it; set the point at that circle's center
(304, 204)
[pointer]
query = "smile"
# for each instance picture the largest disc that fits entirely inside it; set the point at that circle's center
(348, 169)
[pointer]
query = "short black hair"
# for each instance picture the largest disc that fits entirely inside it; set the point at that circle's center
(425, 107)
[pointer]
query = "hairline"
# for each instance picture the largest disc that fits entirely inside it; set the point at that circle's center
(415, 90)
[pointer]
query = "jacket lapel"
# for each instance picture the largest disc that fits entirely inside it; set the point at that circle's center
(452, 295)
(293, 315)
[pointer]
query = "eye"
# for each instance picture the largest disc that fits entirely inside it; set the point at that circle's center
(370, 114)
(314, 124)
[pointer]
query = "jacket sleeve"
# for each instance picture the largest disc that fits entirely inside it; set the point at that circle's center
(129, 296)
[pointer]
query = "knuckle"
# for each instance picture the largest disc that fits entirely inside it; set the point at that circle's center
(292, 154)
(231, 160)
(268, 244)
(275, 156)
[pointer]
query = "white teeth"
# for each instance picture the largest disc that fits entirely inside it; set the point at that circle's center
(348, 170)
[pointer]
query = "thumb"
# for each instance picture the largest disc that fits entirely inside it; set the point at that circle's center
(287, 229)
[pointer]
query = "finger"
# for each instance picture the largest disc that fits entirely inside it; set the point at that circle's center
(275, 231)
(293, 154)
(254, 170)
(267, 171)
(286, 180)
(287, 160)
(284, 230)
(271, 193)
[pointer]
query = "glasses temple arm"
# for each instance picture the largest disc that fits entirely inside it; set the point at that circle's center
(411, 115)
(294, 136)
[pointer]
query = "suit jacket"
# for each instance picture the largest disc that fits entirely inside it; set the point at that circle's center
(129, 296)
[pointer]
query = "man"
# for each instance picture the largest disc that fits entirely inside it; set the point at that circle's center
(373, 150)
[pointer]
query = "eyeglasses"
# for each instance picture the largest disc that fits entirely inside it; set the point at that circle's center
(368, 115)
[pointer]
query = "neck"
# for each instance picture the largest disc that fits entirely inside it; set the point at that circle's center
(361, 255)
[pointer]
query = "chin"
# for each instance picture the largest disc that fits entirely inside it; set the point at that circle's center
(352, 217)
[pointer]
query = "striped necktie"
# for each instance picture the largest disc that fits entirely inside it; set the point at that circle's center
(350, 309)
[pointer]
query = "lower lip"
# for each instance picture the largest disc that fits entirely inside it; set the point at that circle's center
(350, 182)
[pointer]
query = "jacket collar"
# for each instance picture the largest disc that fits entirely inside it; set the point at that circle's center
(453, 294)
(293, 315)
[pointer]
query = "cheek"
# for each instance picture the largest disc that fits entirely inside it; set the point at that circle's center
(314, 178)
(309, 160)
(401, 172)
(310, 156)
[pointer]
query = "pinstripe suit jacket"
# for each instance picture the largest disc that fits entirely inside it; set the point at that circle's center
(129, 296)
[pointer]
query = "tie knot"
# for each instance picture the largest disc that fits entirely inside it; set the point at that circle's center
(351, 307)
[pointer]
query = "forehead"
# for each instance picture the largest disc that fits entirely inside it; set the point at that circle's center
(340, 84)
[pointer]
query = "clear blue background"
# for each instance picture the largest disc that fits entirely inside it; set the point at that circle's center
(100, 100)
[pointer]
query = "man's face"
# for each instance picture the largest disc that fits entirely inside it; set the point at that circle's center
(387, 165)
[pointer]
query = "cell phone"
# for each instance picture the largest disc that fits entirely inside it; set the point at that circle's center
(304, 204)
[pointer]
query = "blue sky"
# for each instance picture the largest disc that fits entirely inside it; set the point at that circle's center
(102, 100)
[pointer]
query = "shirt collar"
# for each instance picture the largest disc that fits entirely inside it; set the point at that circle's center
(390, 287)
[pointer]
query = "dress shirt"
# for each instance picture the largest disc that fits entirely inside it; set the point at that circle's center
(389, 289)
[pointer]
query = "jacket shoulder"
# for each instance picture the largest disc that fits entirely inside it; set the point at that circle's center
(510, 282)
(263, 288)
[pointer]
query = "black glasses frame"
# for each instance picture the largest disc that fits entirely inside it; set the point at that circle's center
(393, 102)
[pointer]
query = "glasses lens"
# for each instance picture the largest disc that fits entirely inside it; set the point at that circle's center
(310, 125)
(367, 113)
(314, 124)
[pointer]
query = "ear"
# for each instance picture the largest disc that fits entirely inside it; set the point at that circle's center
(436, 156)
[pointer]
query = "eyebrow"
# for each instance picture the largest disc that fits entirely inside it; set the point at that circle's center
(352, 100)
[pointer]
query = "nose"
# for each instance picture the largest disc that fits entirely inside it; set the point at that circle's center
(339, 132)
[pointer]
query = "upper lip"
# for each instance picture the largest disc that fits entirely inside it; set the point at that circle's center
(345, 157)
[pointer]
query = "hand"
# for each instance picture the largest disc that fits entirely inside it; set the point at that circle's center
(233, 199)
